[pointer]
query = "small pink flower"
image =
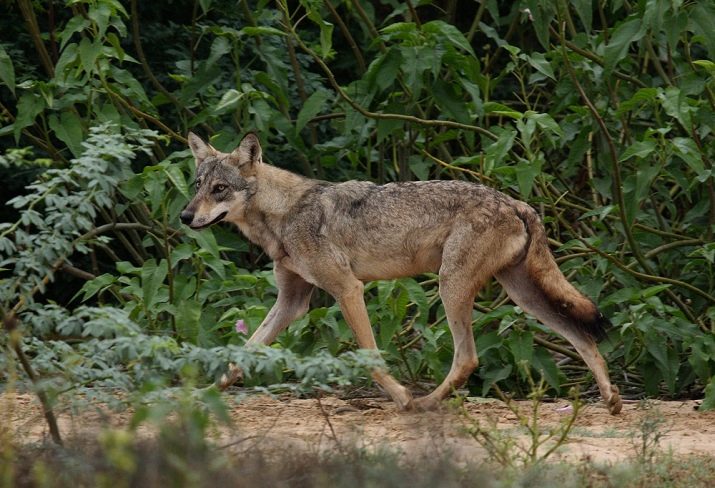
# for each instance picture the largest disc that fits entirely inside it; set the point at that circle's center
(565, 409)
(241, 327)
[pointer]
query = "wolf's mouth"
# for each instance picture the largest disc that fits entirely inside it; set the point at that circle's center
(217, 219)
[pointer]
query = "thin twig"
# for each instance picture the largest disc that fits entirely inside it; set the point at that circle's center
(10, 322)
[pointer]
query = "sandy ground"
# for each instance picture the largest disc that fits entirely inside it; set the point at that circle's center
(374, 423)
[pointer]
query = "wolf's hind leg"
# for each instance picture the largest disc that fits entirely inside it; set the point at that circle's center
(292, 303)
(469, 259)
(458, 302)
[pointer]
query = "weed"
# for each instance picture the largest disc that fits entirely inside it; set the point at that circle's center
(504, 448)
(650, 430)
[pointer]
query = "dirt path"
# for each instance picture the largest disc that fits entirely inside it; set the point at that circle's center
(374, 423)
(596, 435)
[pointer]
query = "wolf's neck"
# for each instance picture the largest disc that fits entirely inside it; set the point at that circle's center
(278, 190)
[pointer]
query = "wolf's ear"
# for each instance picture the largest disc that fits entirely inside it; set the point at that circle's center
(199, 148)
(248, 151)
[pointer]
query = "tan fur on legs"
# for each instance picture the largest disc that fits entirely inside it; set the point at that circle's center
(588, 350)
(464, 361)
(469, 260)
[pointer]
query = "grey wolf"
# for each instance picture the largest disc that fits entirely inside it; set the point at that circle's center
(336, 236)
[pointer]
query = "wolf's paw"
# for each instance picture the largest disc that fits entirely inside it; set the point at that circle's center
(403, 399)
(426, 403)
(613, 402)
(233, 374)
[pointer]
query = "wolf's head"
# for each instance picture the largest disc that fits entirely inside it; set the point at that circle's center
(224, 181)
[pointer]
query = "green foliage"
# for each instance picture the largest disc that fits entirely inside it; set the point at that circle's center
(503, 448)
(599, 114)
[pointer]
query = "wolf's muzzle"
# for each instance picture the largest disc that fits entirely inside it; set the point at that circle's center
(186, 217)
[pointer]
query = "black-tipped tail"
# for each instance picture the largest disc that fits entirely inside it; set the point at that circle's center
(596, 328)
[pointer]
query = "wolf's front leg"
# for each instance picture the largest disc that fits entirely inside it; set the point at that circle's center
(352, 304)
(292, 303)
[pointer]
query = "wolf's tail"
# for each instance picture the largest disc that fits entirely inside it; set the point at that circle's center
(542, 271)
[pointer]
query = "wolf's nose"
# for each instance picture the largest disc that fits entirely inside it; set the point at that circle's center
(186, 217)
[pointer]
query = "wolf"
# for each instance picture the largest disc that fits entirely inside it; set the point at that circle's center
(337, 236)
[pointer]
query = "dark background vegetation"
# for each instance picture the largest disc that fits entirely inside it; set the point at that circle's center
(599, 114)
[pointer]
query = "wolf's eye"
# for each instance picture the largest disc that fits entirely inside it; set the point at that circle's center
(198, 184)
(219, 188)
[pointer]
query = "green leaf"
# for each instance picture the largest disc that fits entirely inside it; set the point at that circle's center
(665, 357)
(7, 71)
(521, 345)
(229, 101)
(88, 53)
(399, 28)
(419, 166)
(539, 62)
(450, 102)
(654, 290)
(153, 277)
(219, 48)
(417, 295)
(416, 61)
(545, 121)
(544, 363)
(639, 149)
(677, 105)
(622, 37)
(687, 150)
(584, 9)
(188, 317)
(76, 24)
(641, 97)
(702, 19)
(205, 6)
(68, 129)
(494, 376)
(326, 38)
(709, 400)
(181, 252)
(312, 107)
(177, 178)
(262, 31)
(501, 109)
(707, 64)
(526, 173)
(92, 287)
(497, 151)
(28, 107)
(449, 32)
(205, 239)
(490, 340)
(326, 28)
(132, 187)
(100, 13)
(383, 71)
(541, 15)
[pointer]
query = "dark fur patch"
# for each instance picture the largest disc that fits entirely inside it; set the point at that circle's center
(597, 327)
(594, 324)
